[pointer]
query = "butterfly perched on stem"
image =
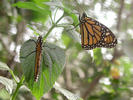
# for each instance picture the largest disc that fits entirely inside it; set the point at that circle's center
(95, 34)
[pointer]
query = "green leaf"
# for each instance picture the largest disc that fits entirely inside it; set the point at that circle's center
(4, 95)
(66, 40)
(40, 10)
(8, 83)
(3, 66)
(98, 56)
(52, 64)
(71, 38)
(66, 93)
(29, 5)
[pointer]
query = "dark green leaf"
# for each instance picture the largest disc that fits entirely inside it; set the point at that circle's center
(52, 64)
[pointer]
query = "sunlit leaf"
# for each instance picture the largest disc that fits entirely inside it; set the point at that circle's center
(66, 93)
(3, 66)
(8, 83)
(52, 64)
(4, 95)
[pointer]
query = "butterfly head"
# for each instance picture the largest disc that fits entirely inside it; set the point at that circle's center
(40, 40)
(40, 37)
(82, 17)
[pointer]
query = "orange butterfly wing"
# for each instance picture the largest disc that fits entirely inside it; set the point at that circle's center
(95, 34)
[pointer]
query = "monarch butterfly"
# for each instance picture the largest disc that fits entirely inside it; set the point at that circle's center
(95, 34)
(38, 56)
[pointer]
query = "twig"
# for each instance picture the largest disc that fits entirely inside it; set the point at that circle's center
(116, 53)
(129, 15)
(5, 45)
(91, 87)
(120, 14)
(20, 32)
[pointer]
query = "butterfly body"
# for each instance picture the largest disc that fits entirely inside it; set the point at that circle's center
(95, 34)
(38, 58)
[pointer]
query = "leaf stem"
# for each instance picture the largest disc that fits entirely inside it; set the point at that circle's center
(11, 72)
(19, 84)
(54, 25)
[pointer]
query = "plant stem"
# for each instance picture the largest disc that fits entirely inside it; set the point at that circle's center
(54, 25)
(11, 72)
(18, 86)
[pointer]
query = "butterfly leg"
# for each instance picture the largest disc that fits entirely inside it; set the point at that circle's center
(34, 41)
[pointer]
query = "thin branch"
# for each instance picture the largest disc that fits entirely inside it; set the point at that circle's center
(117, 53)
(20, 32)
(129, 15)
(68, 77)
(120, 15)
(6, 46)
(91, 87)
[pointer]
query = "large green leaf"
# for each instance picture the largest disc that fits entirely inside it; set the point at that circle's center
(52, 64)
(40, 11)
